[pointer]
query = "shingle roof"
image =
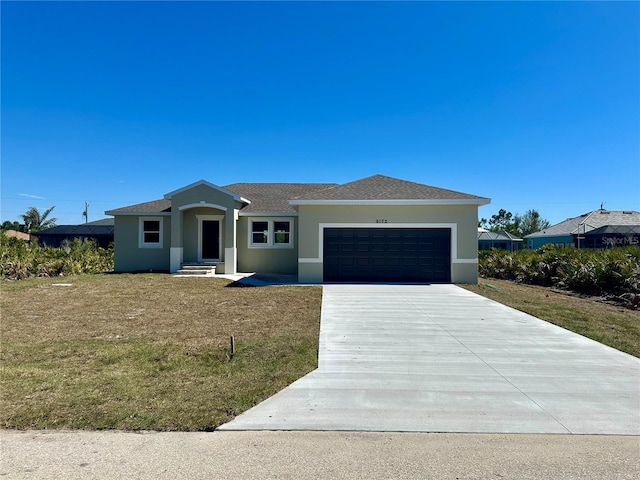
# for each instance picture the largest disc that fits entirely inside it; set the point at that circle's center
(279, 197)
(502, 235)
(274, 197)
(155, 206)
(84, 229)
(381, 187)
(590, 221)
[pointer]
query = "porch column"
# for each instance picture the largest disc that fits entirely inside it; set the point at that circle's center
(230, 250)
(176, 250)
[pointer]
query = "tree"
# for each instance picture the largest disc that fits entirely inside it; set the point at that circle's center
(519, 225)
(497, 222)
(7, 225)
(532, 222)
(34, 221)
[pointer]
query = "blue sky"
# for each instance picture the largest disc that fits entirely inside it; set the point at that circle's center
(536, 104)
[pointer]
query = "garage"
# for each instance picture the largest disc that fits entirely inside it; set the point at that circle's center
(387, 255)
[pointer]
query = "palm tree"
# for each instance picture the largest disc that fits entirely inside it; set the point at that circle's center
(34, 221)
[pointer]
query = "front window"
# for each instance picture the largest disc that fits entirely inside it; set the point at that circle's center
(260, 233)
(271, 233)
(150, 232)
(282, 232)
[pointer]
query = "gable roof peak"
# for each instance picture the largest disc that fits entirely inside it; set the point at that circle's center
(210, 185)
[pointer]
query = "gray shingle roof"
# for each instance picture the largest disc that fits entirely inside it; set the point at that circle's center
(381, 187)
(590, 221)
(502, 235)
(155, 206)
(274, 197)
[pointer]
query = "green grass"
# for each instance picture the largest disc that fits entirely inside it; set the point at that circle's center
(592, 317)
(148, 352)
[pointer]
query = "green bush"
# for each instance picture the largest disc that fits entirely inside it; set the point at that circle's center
(606, 271)
(20, 259)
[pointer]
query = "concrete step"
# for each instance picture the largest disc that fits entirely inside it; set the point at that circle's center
(197, 270)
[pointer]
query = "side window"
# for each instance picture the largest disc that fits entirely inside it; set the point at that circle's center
(150, 232)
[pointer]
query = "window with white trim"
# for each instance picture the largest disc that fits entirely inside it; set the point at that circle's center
(271, 232)
(150, 232)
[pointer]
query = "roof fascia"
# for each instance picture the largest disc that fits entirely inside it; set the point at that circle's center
(151, 214)
(460, 201)
(268, 214)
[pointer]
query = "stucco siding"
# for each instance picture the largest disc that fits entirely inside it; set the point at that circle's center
(266, 260)
(205, 196)
(191, 232)
(129, 256)
(462, 219)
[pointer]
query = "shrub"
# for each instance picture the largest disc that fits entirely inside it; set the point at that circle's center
(20, 259)
(606, 271)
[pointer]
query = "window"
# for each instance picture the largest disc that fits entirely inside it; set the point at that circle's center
(259, 233)
(150, 232)
(270, 233)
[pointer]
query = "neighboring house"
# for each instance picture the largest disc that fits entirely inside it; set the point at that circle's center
(19, 235)
(585, 231)
(502, 240)
(101, 231)
(611, 236)
(378, 229)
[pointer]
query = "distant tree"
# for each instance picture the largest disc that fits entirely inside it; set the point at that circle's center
(7, 225)
(519, 225)
(35, 221)
(531, 222)
(497, 222)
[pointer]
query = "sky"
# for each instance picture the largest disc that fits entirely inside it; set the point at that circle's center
(535, 105)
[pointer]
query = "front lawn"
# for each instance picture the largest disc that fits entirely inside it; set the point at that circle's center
(148, 351)
(590, 316)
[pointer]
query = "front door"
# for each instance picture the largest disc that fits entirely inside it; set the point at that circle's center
(210, 241)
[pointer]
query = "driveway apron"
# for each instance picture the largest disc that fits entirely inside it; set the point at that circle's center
(438, 358)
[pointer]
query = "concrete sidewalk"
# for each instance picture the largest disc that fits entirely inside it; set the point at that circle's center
(313, 455)
(437, 358)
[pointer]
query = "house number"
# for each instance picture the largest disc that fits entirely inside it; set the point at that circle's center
(381, 220)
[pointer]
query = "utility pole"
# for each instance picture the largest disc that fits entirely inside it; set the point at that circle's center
(85, 214)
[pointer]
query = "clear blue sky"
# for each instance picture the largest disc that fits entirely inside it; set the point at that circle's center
(536, 105)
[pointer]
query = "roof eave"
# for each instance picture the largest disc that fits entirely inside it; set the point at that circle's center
(268, 214)
(155, 214)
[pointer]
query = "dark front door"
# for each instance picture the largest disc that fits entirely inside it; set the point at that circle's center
(210, 239)
(387, 255)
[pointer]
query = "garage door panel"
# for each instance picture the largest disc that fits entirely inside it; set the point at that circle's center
(387, 255)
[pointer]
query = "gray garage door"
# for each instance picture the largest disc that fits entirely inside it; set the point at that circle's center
(387, 255)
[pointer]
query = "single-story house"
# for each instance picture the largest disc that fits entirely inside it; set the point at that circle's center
(502, 240)
(377, 229)
(571, 232)
(610, 236)
(101, 231)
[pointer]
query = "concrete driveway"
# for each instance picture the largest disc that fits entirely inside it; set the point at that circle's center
(437, 358)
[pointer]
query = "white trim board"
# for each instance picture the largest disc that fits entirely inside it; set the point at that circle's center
(202, 204)
(452, 226)
(456, 201)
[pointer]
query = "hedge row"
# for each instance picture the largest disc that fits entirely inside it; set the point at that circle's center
(604, 272)
(20, 259)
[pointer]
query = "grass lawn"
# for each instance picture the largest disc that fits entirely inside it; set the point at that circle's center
(148, 351)
(612, 325)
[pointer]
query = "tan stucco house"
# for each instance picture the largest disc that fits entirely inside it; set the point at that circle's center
(377, 229)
